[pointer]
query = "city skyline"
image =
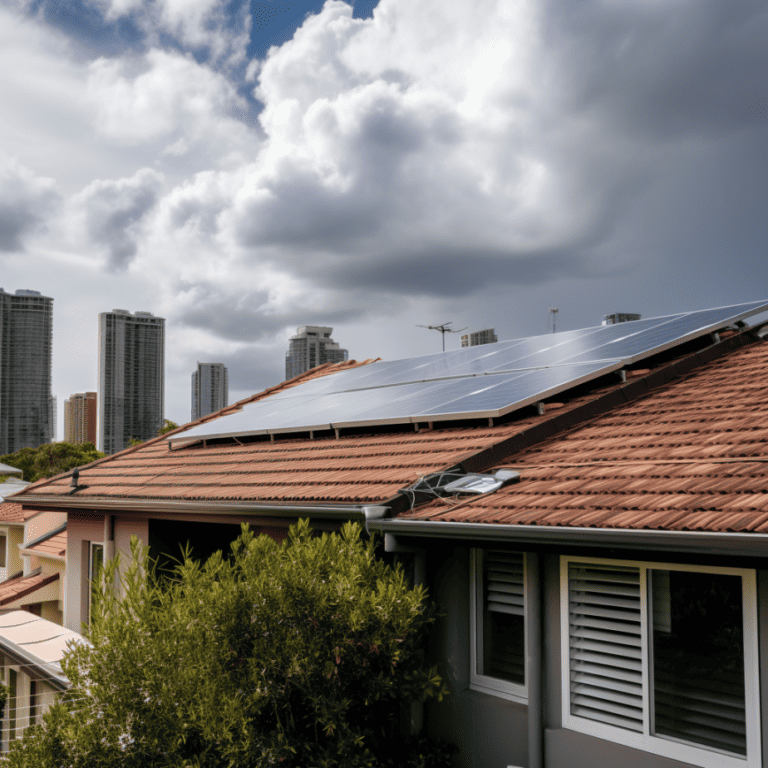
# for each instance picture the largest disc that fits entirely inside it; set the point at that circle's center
(241, 173)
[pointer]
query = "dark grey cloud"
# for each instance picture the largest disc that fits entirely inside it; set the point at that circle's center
(25, 202)
(664, 70)
(114, 209)
(247, 315)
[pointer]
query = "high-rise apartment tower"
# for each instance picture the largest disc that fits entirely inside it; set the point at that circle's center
(131, 377)
(210, 389)
(312, 346)
(488, 336)
(26, 334)
(80, 418)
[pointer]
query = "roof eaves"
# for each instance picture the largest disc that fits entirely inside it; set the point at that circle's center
(699, 542)
(266, 509)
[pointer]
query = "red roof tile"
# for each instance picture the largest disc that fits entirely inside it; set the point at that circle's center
(53, 545)
(692, 455)
(21, 586)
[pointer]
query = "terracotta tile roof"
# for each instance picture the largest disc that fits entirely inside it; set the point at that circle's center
(691, 455)
(21, 586)
(11, 513)
(353, 469)
(55, 544)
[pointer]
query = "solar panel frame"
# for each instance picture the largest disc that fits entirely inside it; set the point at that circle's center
(411, 391)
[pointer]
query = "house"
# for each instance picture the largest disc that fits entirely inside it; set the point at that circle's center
(608, 608)
(32, 550)
(31, 649)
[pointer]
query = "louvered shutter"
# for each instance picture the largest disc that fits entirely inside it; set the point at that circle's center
(503, 579)
(605, 628)
(502, 617)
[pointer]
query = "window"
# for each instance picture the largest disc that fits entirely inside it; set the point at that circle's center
(12, 692)
(95, 564)
(2, 550)
(32, 702)
(498, 625)
(662, 658)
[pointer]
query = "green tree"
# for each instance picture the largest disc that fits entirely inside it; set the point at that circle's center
(298, 655)
(51, 458)
(168, 426)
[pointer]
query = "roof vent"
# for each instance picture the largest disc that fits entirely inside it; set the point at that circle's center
(440, 485)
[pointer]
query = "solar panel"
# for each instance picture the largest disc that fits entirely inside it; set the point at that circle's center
(486, 381)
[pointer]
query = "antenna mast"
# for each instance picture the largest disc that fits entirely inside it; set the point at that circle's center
(553, 311)
(443, 328)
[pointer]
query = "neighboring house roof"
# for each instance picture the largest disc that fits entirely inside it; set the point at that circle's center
(52, 544)
(11, 513)
(37, 643)
(21, 586)
(6, 470)
(691, 455)
(12, 485)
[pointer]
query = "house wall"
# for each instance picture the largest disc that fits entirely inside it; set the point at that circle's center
(492, 732)
(43, 523)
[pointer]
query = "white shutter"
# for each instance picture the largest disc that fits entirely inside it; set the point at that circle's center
(606, 676)
(503, 578)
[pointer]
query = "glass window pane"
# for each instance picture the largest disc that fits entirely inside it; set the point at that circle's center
(503, 647)
(698, 659)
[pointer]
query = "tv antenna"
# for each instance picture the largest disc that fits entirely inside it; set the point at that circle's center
(443, 328)
(553, 311)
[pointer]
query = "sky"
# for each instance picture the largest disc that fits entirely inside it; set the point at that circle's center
(242, 168)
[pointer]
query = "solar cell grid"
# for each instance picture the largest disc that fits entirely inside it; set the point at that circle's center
(489, 380)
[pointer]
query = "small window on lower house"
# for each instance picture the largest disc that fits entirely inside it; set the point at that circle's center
(663, 658)
(95, 564)
(32, 702)
(2, 550)
(12, 694)
(498, 633)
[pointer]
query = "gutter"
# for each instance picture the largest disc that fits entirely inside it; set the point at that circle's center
(321, 511)
(699, 542)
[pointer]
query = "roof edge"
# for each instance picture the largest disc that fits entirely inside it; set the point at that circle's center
(701, 542)
(325, 511)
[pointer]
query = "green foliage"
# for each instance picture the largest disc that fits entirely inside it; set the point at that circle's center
(297, 655)
(168, 426)
(51, 458)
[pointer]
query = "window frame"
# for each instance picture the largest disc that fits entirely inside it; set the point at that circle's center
(90, 575)
(646, 741)
(493, 686)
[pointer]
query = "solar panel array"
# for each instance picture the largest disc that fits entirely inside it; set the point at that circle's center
(486, 381)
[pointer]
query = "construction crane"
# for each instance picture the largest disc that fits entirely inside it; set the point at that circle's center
(443, 328)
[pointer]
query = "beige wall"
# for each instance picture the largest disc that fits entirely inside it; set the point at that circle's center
(43, 523)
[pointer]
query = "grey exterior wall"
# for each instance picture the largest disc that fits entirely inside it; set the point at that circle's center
(492, 732)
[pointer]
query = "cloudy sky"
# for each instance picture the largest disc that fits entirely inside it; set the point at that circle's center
(243, 167)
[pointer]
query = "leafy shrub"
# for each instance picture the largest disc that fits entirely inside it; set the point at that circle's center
(298, 655)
